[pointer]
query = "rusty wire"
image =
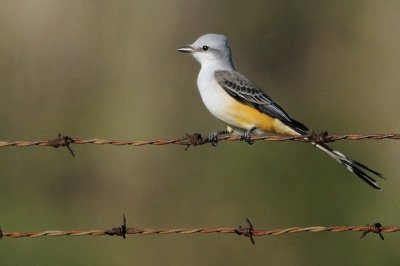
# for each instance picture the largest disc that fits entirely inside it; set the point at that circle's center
(195, 139)
(206, 230)
(248, 232)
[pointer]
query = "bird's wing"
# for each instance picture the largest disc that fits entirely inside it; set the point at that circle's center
(247, 92)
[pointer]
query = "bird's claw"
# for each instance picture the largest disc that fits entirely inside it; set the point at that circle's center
(213, 138)
(246, 137)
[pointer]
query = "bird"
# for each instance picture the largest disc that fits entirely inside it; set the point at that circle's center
(245, 107)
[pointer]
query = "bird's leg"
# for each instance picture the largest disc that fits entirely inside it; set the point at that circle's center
(247, 136)
(213, 137)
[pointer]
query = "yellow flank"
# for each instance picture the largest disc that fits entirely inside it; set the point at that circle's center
(245, 116)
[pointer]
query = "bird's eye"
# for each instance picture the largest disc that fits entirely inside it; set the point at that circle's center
(205, 48)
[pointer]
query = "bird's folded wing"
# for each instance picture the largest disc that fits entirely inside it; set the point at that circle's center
(247, 92)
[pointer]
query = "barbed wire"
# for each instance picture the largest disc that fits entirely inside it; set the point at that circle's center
(194, 140)
(248, 231)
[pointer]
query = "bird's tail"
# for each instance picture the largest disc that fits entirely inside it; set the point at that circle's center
(357, 168)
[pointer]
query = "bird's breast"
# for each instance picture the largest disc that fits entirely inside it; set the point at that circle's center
(215, 98)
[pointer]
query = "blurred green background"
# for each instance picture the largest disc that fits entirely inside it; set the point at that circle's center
(110, 69)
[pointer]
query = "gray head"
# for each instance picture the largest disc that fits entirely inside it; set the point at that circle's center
(210, 49)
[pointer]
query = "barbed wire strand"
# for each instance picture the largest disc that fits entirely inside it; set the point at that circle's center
(224, 230)
(249, 231)
(195, 139)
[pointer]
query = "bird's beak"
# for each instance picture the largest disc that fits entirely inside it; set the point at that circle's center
(186, 49)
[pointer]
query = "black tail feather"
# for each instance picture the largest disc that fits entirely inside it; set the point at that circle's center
(353, 166)
(360, 165)
(360, 173)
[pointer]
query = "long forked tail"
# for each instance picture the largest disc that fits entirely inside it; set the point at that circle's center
(357, 168)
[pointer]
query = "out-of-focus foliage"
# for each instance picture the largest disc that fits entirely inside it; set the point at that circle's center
(110, 69)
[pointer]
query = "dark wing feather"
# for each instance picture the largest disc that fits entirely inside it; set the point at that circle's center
(247, 92)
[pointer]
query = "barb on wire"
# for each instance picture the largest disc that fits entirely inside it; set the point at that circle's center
(246, 231)
(376, 228)
(62, 141)
(194, 140)
(249, 231)
(118, 231)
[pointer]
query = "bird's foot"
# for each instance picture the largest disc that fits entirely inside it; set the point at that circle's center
(247, 136)
(213, 137)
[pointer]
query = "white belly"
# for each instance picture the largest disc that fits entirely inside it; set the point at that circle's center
(215, 98)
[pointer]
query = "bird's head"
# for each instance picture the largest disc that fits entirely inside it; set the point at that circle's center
(210, 49)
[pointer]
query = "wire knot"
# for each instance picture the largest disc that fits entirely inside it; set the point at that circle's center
(375, 228)
(62, 141)
(246, 231)
(119, 231)
(194, 140)
(320, 138)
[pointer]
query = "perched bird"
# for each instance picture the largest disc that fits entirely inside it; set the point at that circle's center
(239, 102)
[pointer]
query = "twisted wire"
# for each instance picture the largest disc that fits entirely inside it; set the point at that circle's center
(220, 230)
(195, 139)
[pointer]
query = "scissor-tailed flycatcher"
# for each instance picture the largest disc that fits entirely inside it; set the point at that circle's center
(239, 102)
